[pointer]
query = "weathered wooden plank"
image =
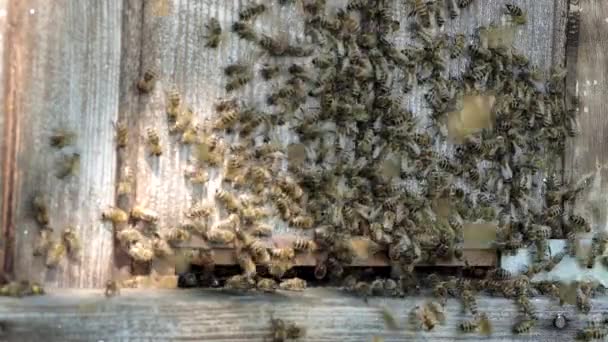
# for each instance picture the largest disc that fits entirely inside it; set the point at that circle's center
(64, 74)
(4, 70)
(588, 153)
(173, 44)
(218, 316)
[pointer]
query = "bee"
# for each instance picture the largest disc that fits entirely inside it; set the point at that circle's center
(469, 302)
(214, 33)
(62, 138)
(499, 273)
(244, 31)
(122, 131)
(593, 331)
(125, 183)
(457, 46)
(40, 209)
(580, 222)
(177, 235)
(423, 318)
(266, 285)
(251, 11)
(44, 241)
(518, 16)
(304, 245)
(439, 16)
(69, 166)
(281, 331)
(269, 71)
(112, 289)
(293, 284)
(526, 306)
(200, 210)
(469, 325)
(421, 11)
(147, 81)
(173, 103)
(160, 246)
(20, 289)
(524, 325)
(239, 282)
(286, 253)
(583, 302)
(453, 10)
(141, 213)
(220, 236)
(246, 263)
(153, 142)
(302, 221)
(116, 215)
(464, 3)
(255, 246)
(262, 230)
(228, 200)
(54, 254)
(357, 5)
(140, 252)
(129, 235)
(71, 241)
(196, 175)
(182, 122)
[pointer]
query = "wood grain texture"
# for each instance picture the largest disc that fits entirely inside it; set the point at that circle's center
(587, 153)
(208, 315)
(64, 74)
(4, 71)
(173, 44)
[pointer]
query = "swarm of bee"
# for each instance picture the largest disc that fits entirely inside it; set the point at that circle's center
(371, 173)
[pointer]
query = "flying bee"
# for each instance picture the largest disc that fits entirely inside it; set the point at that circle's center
(140, 252)
(161, 247)
(116, 215)
(142, 213)
(62, 138)
(122, 138)
(304, 245)
(246, 263)
(71, 241)
(518, 16)
(173, 104)
(153, 142)
(220, 236)
(54, 254)
(244, 31)
(44, 241)
(125, 183)
(177, 235)
(524, 325)
(251, 11)
(214, 33)
(69, 166)
(112, 289)
(266, 285)
(40, 209)
(269, 71)
(147, 81)
(293, 284)
(200, 210)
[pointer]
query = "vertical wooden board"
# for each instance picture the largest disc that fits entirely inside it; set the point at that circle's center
(4, 70)
(67, 68)
(587, 153)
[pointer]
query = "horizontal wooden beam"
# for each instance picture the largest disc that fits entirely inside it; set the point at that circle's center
(216, 315)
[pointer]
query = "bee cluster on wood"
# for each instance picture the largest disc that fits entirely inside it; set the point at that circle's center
(371, 173)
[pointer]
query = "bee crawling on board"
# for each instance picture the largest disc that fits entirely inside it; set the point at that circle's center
(44, 241)
(62, 138)
(282, 331)
(112, 289)
(214, 33)
(251, 11)
(69, 165)
(147, 81)
(122, 131)
(153, 142)
(40, 209)
(293, 284)
(115, 215)
(518, 16)
(71, 241)
(244, 30)
(141, 213)
(21, 289)
(55, 254)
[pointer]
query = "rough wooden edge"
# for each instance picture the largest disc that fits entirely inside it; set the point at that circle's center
(215, 315)
(12, 69)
